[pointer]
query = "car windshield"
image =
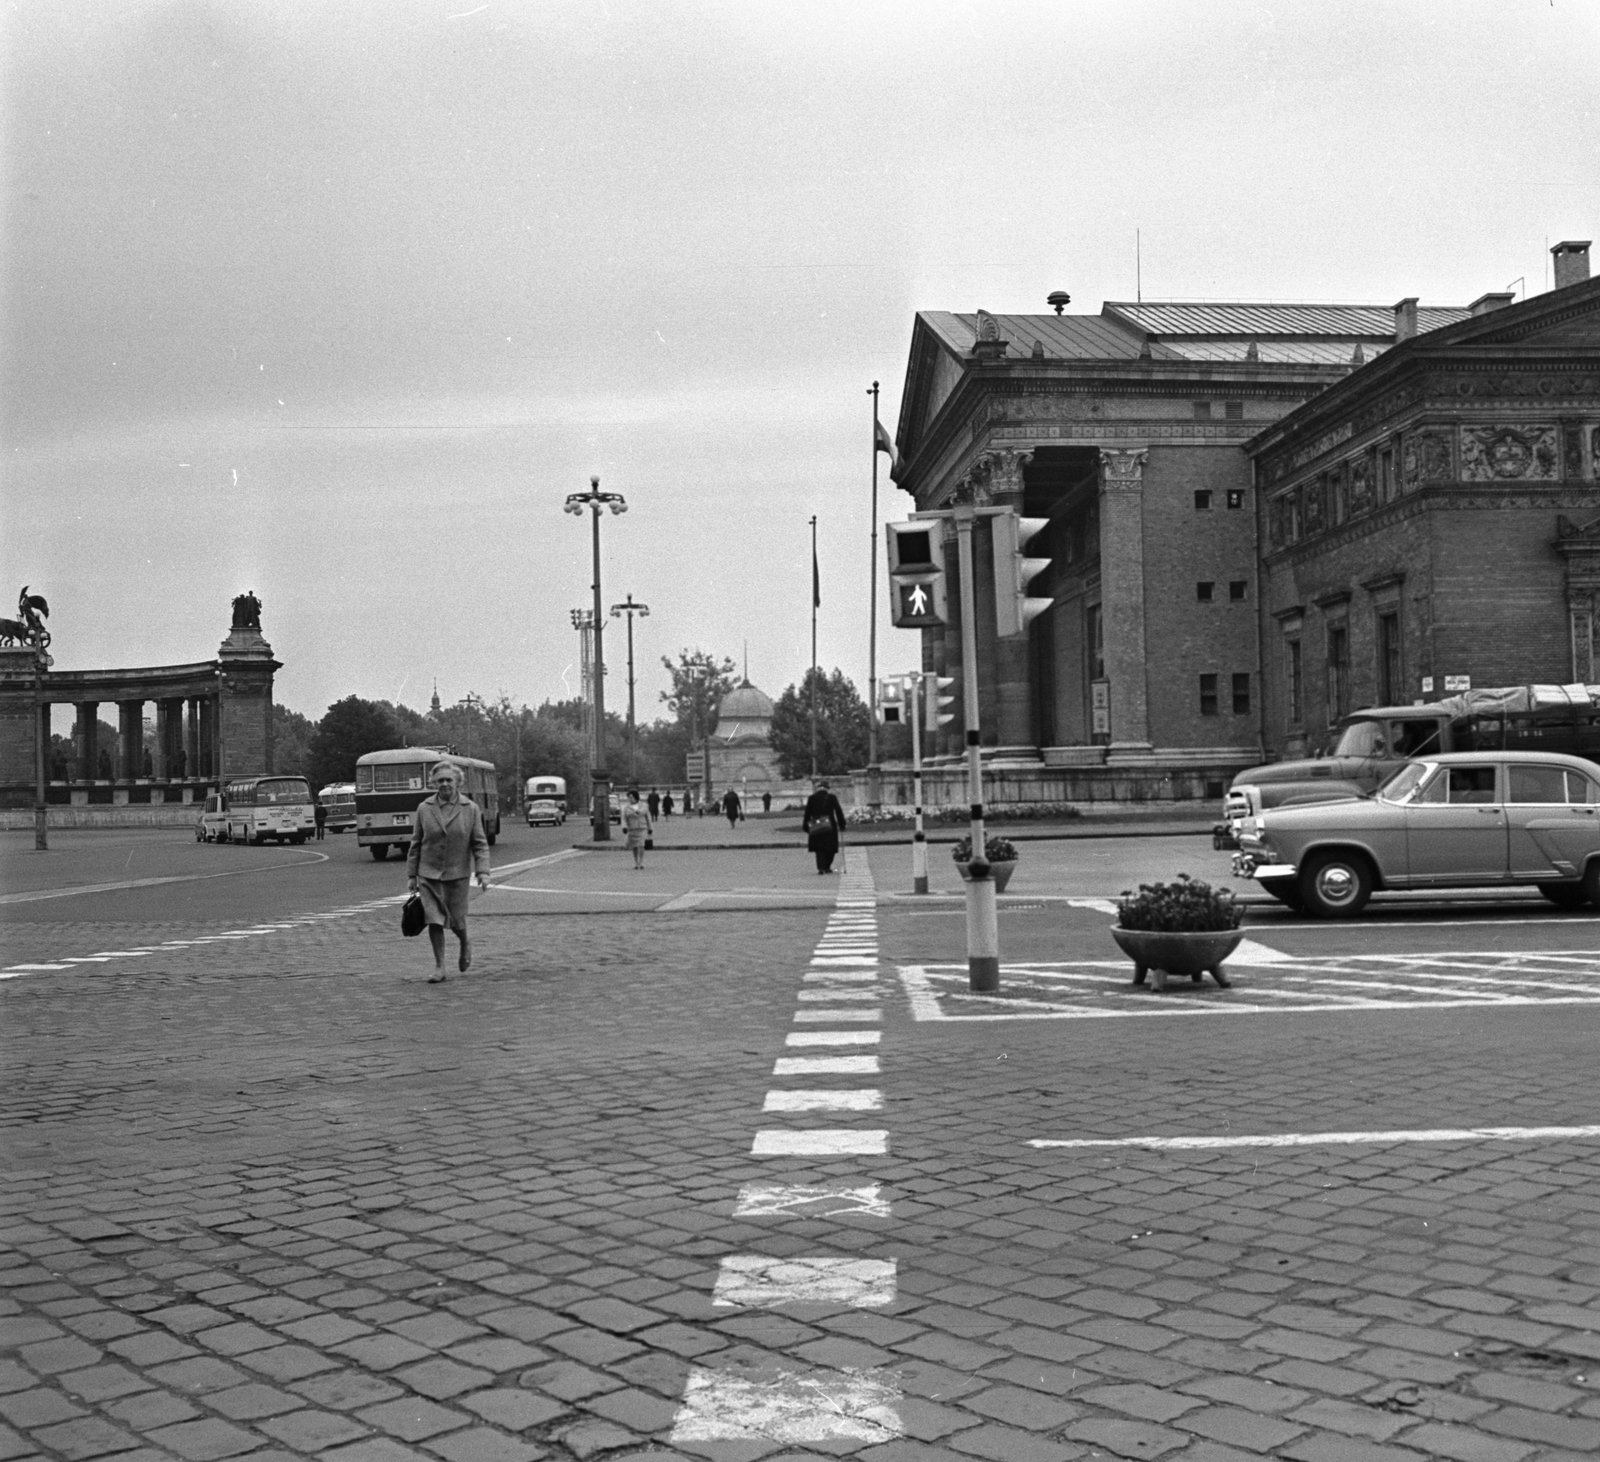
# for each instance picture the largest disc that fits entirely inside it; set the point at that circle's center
(1362, 738)
(1405, 782)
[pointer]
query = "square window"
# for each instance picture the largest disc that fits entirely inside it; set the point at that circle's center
(1202, 499)
(1235, 497)
(1233, 410)
(1237, 589)
(1241, 694)
(1208, 695)
(1202, 591)
(1202, 411)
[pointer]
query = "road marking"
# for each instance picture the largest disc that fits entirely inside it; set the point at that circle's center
(786, 1408)
(12, 971)
(825, 1066)
(844, 961)
(860, 1015)
(34, 895)
(832, 1038)
(1341, 1139)
(863, 1099)
(865, 977)
(759, 1200)
(832, 994)
(760, 1281)
(819, 1142)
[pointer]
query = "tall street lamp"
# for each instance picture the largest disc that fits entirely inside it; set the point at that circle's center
(576, 502)
(629, 608)
(698, 674)
(471, 703)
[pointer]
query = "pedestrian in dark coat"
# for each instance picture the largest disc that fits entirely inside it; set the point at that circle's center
(322, 819)
(823, 824)
(666, 805)
(766, 802)
(448, 848)
(653, 802)
(732, 807)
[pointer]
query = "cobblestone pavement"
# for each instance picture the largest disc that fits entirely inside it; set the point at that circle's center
(701, 1185)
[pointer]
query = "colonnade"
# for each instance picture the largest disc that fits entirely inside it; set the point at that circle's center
(186, 740)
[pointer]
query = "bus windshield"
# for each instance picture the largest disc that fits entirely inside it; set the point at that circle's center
(277, 790)
(397, 776)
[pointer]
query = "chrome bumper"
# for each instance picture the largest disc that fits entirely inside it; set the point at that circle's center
(1246, 866)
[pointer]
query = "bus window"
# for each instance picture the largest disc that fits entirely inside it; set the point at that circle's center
(279, 790)
(363, 779)
(394, 777)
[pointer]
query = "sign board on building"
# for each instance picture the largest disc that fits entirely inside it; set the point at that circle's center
(1427, 685)
(1100, 707)
(1455, 684)
(697, 766)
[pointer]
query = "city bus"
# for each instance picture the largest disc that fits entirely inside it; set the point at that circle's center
(340, 800)
(545, 800)
(390, 784)
(258, 808)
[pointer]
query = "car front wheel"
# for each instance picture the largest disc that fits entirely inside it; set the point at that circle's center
(1336, 885)
(1565, 895)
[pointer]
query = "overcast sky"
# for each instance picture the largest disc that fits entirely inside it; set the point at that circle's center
(337, 301)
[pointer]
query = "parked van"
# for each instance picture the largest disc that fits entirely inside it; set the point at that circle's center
(213, 824)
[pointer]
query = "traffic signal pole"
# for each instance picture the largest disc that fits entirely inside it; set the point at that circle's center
(919, 839)
(983, 925)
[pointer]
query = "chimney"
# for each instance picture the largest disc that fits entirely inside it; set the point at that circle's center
(1405, 319)
(1494, 300)
(1572, 262)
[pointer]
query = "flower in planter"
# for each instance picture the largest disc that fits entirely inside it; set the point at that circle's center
(1188, 906)
(997, 850)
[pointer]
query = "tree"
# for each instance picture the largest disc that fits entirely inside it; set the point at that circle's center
(349, 729)
(699, 682)
(842, 720)
(291, 742)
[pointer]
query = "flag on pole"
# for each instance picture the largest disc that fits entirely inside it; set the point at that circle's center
(816, 581)
(884, 444)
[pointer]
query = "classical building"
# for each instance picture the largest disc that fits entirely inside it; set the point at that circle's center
(1133, 433)
(741, 757)
(1433, 520)
(213, 718)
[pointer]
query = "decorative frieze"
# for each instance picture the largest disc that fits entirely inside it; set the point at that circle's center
(1508, 453)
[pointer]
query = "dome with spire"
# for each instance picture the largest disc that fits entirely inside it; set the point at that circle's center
(743, 703)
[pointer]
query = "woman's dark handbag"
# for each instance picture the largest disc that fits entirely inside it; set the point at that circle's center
(813, 840)
(649, 841)
(413, 917)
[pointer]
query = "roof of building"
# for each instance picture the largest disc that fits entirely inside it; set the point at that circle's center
(745, 703)
(1177, 330)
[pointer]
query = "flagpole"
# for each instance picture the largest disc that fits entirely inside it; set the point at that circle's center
(874, 775)
(816, 599)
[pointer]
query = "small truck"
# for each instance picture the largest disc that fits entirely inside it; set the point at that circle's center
(1370, 745)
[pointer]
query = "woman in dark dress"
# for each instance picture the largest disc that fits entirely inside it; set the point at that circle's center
(823, 824)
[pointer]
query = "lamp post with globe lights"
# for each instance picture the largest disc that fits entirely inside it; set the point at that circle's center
(629, 608)
(576, 502)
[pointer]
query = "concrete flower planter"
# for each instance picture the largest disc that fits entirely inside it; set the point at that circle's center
(1000, 871)
(1189, 953)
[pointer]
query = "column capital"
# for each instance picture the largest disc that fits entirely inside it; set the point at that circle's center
(994, 473)
(1122, 469)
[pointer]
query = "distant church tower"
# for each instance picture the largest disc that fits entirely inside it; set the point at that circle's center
(434, 707)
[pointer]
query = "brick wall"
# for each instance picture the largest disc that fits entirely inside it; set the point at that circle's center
(1185, 637)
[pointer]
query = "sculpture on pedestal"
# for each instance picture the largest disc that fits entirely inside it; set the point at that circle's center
(28, 628)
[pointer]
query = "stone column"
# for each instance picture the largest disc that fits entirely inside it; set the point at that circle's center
(130, 740)
(169, 715)
(1122, 598)
(191, 737)
(85, 742)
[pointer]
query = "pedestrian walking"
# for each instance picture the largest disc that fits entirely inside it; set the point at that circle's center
(824, 825)
(653, 802)
(321, 815)
(732, 807)
(448, 848)
(666, 805)
(636, 824)
(766, 802)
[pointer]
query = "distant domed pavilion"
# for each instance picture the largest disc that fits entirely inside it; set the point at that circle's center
(741, 756)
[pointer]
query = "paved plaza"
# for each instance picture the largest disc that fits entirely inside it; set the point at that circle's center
(723, 1160)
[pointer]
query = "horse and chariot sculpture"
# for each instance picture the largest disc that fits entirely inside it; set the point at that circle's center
(28, 628)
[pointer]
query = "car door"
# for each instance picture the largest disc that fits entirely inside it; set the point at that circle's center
(1552, 820)
(1456, 827)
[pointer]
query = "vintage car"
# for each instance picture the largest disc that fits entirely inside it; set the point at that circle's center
(1458, 820)
(545, 810)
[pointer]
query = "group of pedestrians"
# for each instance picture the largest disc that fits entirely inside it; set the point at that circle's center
(449, 849)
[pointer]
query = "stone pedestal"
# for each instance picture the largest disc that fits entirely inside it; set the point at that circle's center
(244, 704)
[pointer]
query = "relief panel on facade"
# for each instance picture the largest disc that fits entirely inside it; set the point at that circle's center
(1361, 484)
(1508, 454)
(1572, 452)
(1313, 496)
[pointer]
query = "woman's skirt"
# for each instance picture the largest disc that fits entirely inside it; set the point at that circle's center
(444, 900)
(635, 837)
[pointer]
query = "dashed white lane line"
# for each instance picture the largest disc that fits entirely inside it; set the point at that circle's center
(819, 1142)
(787, 1408)
(828, 1099)
(761, 1281)
(843, 961)
(810, 1200)
(825, 1066)
(841, 977)
(1336, 1139)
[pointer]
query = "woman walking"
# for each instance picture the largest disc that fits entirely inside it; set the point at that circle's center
(823, 822)
(448, 847)
(636, 826)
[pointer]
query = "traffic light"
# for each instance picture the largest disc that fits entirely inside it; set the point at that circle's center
(935, 688)
(916, 573)
(1013, 609)
(891, 702)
